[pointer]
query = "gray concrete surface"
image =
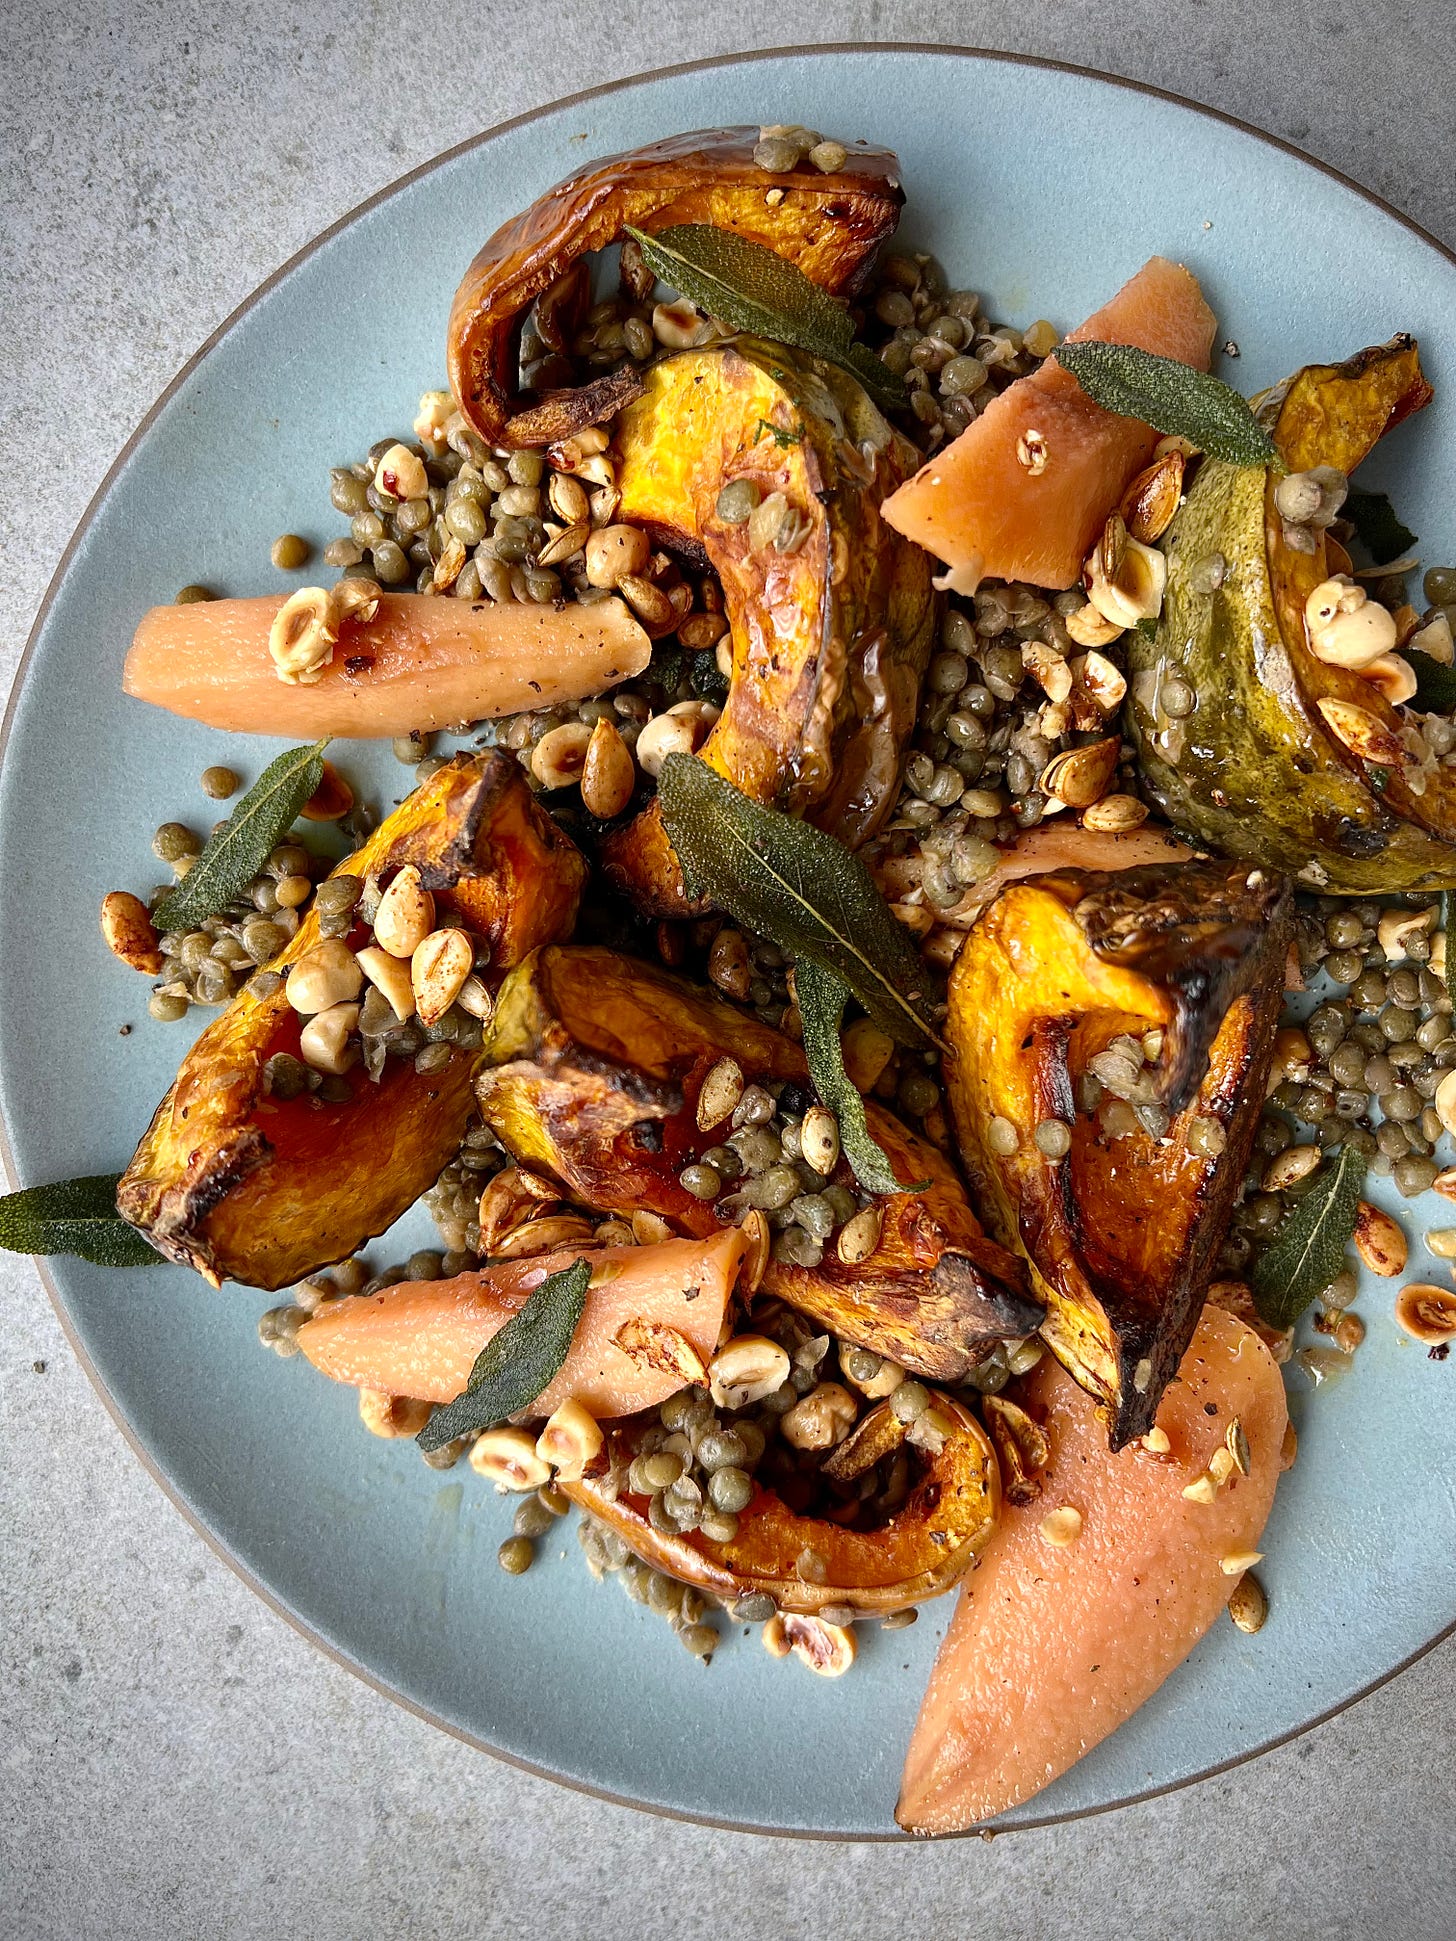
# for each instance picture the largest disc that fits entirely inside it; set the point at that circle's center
(174, 1761)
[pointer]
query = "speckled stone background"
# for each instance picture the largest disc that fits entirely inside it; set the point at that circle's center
(174, 1760)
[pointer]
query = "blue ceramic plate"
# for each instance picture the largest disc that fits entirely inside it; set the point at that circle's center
(386, 1563)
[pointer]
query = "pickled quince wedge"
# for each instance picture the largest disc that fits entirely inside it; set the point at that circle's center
(1122, 1229)
(1051, 1649)
(594, 1067)
(920, 1550)
(245, 1185)
(828, 225)
(1286, 760)
(832, 613)
(1024, 491)
(421, 1339)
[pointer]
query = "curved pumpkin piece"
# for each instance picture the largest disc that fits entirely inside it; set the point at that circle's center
(422, 1338)
(918, 1552)
(243, 1185)
(594, 1066)
(1051, 1649)
(829, 226)
(1258, 769)
(1121, 1232)
(830, 636)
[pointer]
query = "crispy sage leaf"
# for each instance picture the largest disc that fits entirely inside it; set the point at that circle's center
(518, 1363)
(1172, 398)
(234, 856)
(798, 887)
(822, 995)
(1376, 526)
(1435, 683)
(755, 289)
(1308, 1249)
(74, 1216)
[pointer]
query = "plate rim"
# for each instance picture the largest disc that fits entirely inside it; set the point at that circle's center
(818, 50)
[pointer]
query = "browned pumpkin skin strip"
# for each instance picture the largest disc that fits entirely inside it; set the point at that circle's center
(829, 226)
(1121, 1234)
(595, 1063)
(245, 1186)
(918, 1552)
(830, 638)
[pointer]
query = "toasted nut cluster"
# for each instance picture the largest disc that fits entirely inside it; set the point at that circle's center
(129, 932)
(301, 638)
(821, 1418)
(391, 976)
(748, 1368)
(1248, 1606)
(439, 966)
(1427, 1313)
(721, 1090)
(391, 1416)
(1061, 1527)
(507, 1457)
(327, 975)
(1346, 627)
(406, 914)
(828, 1649)
(401, 474)
(1125, 579)
(326, 1041)
(569, 1440)
(859, 1237)
(682, 730)
(616, 553)
(608, 773)
(1379, 1241)
(819, 1139)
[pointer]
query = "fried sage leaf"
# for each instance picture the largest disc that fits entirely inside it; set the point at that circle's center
(518, 1363)
(755, 289)
(822, 995)
(799, 887)
(1172, 398)
(73, 1216)
(239, 850)
(1376, 526)
(1308, 1250)
(1435, 683)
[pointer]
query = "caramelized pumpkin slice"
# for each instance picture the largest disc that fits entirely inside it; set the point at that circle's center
(1051, 1649)
(829, 226)
(917, 1553)
(1287, 761)
(422, 1338)
(246, 1186)
(1122, 1231)
(832, 612)
(594, 1066)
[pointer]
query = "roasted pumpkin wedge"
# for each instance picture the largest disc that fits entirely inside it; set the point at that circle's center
(594, 1067)
(917, 1552)
(1285, 760)
(828, 225)
(832, 612)
(243, 1185)
(1059, 983)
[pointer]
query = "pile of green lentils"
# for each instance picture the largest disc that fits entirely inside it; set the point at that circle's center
(1360, 1069)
